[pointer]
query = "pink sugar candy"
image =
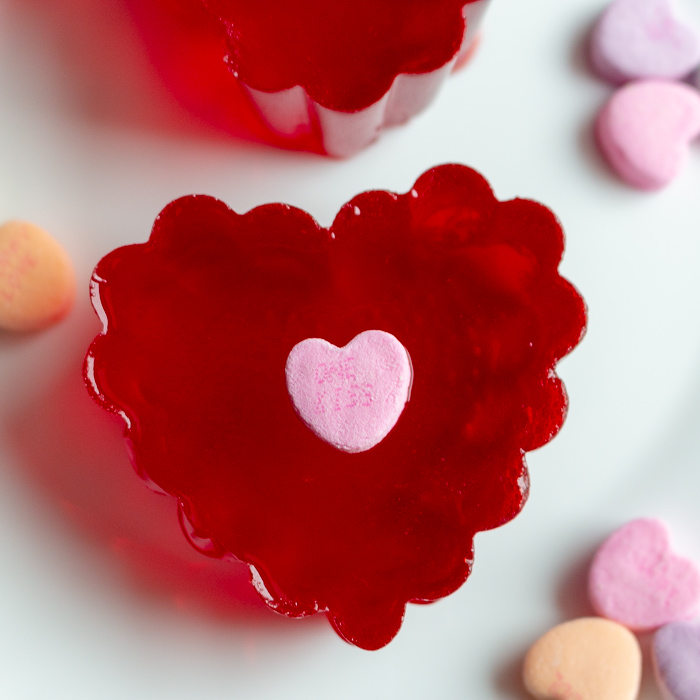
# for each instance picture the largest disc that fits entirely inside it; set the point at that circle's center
(645, 129)
(636, 579)
(638, 39)
(351, 397)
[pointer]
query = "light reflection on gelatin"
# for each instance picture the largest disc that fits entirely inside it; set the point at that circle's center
(201, 543)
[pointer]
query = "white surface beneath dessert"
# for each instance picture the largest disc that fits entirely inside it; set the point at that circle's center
(93, 161)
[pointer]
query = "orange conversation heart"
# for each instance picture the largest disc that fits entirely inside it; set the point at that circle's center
(37, 282)
(585, 659)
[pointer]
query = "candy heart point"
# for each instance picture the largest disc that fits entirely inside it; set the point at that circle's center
(351, 397)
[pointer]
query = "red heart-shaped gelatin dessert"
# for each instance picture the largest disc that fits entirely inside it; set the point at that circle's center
(331, 74)
(199, 324)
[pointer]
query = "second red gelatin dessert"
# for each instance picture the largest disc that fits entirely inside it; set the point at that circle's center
(342, 409)
(341, 71)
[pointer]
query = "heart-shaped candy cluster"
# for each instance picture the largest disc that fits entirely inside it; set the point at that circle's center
(646, 127)
(638, 584)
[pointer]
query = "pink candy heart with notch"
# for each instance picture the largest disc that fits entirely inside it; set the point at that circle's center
(637, 39)
(351, 397)
(645, 129)
(636, 579)
(676, 653)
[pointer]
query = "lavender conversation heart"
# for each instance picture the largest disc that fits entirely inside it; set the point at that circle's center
(637, 39)
(676, 652)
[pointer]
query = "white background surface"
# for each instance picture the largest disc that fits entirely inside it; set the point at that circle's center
(94, 160)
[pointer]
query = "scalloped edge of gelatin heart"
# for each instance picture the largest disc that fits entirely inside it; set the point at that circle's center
(261, 578)
(293, 114)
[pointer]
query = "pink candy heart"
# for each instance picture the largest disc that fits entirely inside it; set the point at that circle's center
(637, 581)
(637, 39)
(676, 651)
(645, 129)
(351, 397)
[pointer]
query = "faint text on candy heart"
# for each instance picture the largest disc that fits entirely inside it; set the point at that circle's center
(351, 397)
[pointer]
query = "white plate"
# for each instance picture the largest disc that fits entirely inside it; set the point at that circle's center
(84, 614)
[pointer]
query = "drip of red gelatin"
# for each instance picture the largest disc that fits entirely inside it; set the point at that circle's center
(346, 54)
(199, 322)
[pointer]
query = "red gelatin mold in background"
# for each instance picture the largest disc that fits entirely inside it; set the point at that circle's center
(200, 321)
(337, 71)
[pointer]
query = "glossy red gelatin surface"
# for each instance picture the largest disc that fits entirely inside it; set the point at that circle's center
(347, 53)
(199, 322)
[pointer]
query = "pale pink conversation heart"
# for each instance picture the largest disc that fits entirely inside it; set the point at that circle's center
(645, 130)
(351, 397)
(636, 579)
(637, 39)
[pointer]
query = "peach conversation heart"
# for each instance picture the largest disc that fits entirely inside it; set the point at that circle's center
(585, 659)
(37, 281)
